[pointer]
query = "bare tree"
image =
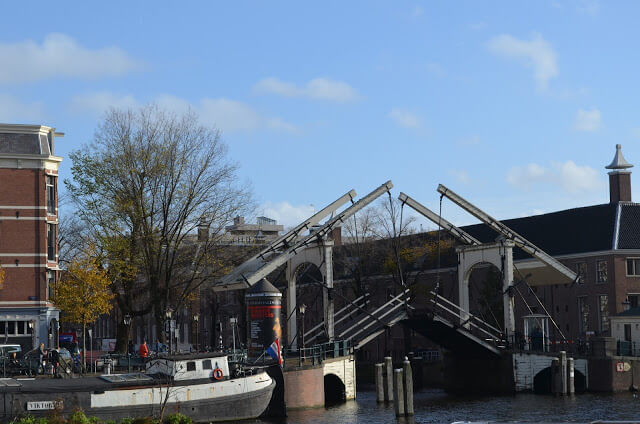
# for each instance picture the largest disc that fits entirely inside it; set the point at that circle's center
(148, 181)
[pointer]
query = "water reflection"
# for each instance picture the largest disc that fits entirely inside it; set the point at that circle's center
(436, 406)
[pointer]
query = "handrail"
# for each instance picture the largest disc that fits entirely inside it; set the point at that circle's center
(493, 336)
(461, 310)
(374, 312)
(308, 335)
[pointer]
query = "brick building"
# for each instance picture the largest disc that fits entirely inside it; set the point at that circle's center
(28, 234)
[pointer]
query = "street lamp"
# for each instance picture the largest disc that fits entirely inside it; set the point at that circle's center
(626, 304)
(33, 334)
(168, 316)
(127, 323)
(196, 318)
(302, 308)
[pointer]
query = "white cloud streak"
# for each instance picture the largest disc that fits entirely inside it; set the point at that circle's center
(317, 89)
(405, 118)
(568, 176)
(225, 114)
(587, 120)
(15, 110)
(60, 56)
(536, 53)
(287, 214)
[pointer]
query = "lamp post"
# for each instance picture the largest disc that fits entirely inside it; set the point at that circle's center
(33, 334)
(302, 308)
(168, 316)
(233, 322)
(127, 323)
(196, 318)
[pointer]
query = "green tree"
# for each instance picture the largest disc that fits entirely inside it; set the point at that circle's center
(84, 292)
(149, 180)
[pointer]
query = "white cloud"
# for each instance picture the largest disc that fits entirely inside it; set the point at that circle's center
(587, 120)
(99, 102)
(405, 118)
(225, 114)
(60, 56)
(417, 11)
(469, 141)
(286, 213)
(14, 110)
(568, 176)
(436, 69)
(589, 7)
(460, 175)
(535, 53)
(317, 88)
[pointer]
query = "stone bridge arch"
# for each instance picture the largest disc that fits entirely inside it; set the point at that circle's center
(339, 375)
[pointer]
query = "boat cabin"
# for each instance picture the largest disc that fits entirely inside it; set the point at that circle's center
(191, 367)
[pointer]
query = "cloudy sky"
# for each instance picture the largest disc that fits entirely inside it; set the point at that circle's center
(515, 105)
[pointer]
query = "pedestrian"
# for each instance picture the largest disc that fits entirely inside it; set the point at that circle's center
(41, 355)
(144, 350)
(54, 360)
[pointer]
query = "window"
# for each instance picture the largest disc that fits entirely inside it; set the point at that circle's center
(206, 364)
(51, 242)
(603, 302)
(581, 270)
(634, 300)
(21, 327)
(51, 283)
(51, 195)
(633, 266)
(601, 267)
(11, 327)
(627, 332)
(583, 314)
(191, 366)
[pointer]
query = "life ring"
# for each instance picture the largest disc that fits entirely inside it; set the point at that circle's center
(218, 374)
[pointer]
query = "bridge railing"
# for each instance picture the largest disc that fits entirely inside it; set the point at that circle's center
(316, 354)
(466, 319)
(626, 348)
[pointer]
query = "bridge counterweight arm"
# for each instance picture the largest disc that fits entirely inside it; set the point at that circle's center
(273, 263)
(499, 227)
(461, 235)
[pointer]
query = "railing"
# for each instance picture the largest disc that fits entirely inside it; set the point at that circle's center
(316, 354)
(338, 317)
(626, 348)
(375, 317)
(466, 319)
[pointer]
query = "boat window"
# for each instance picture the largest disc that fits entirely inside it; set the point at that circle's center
(191, 366)
(206, 364)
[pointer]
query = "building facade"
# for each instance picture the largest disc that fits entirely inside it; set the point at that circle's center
(28, 234)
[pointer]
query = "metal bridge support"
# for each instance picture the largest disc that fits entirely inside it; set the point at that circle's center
(320, 255)
(498, 254)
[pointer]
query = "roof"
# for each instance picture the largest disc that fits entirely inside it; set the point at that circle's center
(633, 312)
(579, 230)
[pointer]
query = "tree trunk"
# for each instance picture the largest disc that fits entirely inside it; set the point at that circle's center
(84, 347)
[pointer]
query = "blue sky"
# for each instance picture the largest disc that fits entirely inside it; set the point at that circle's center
(515, 105)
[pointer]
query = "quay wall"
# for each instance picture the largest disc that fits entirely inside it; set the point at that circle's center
(304, 387)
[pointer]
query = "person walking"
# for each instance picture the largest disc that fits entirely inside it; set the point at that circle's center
(144, 350)
(42, 354)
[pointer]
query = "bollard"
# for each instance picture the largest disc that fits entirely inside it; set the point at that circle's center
(379, 383)
(388, 379)
(408, 386)
(563, 372)
(571, 387)
(555, 376)
(398, 392)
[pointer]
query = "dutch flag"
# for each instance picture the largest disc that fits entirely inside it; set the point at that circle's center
(274, 351)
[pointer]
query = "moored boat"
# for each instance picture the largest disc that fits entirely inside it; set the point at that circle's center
(200, 386)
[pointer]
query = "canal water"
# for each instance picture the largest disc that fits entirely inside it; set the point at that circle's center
(436, 406)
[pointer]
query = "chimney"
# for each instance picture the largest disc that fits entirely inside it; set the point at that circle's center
(203, 229)
(619, 178)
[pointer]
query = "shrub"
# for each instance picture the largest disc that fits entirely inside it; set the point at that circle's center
(178, 418)
(78, 417)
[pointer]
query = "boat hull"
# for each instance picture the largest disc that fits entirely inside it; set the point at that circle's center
(238, 399)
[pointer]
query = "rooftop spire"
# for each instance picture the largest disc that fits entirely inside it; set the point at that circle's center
(619, 162)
